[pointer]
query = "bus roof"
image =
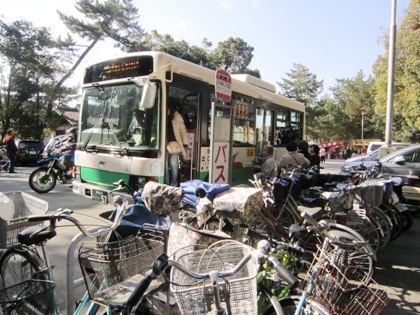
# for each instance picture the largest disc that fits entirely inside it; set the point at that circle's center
(241, 83)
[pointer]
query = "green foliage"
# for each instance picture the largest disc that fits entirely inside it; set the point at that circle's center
(406, 93)
(33, 59)
(116, 19)
(233, 54)
(301, 85)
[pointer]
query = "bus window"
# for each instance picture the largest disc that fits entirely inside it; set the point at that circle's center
(243, 123)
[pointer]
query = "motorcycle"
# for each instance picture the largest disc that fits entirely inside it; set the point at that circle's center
(54, 167)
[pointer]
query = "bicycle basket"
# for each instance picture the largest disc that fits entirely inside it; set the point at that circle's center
(342, 201)
(370, 195)
(238, 292)
(28, 297)
(24, 205)
(107, 264)
(339, 294)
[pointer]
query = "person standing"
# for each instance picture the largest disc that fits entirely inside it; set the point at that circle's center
(314, 159)
(11, 148)
(322, 154)
(177, 132)
(269, 164)
(292, 159)
(303, 147)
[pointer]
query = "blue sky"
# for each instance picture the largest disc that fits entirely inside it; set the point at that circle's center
(333, 38)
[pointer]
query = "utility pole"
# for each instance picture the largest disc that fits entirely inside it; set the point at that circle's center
(391, 63)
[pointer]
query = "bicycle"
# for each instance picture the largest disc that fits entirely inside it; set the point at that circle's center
(219, 279)
(327, 289)
(25, 267)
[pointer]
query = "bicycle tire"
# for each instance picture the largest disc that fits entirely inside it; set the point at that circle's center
(360, 262)
(18, 265)
(266, 296)
(384, 224)
(365, 227)
(395, 217)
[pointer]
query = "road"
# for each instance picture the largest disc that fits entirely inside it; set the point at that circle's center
(398, 267)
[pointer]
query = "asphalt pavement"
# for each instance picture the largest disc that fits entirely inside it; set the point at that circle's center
(397, 272)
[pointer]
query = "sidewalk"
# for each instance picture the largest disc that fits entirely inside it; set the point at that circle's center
(398, 272)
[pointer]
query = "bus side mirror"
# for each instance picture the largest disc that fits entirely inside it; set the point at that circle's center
(149, 95)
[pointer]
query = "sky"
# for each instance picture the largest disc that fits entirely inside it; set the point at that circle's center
(334, 39)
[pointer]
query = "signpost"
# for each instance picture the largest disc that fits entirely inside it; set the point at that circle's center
(223, 86)
(221, 130)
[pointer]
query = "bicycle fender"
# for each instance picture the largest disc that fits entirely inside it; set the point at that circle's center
(336, 227)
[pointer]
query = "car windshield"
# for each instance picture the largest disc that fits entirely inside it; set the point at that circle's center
(391, 155)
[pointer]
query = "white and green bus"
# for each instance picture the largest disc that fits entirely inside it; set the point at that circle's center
(145, 83)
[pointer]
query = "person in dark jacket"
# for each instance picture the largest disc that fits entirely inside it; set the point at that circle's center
(303, 147)
(11, 148)
(315, 159)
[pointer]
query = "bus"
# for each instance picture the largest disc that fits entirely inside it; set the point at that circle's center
(118, 90)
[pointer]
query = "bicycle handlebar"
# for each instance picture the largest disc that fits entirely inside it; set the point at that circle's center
(160, 264)
(66, 215)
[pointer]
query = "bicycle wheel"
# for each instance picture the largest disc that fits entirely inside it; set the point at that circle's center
(357, 261)
(362, 224)
(18, 265)
(384, 224)
(395, 217)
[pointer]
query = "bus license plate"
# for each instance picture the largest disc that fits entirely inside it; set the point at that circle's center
(100, 196)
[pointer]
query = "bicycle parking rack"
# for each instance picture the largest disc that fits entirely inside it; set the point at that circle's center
(71, 282)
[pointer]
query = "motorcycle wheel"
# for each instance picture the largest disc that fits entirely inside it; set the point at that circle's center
(42, 181)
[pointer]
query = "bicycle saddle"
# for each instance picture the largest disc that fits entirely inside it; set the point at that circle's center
(35, 234)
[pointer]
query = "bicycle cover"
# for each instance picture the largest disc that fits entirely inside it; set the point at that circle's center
(212, 190)
(136, 216)
(162, 199)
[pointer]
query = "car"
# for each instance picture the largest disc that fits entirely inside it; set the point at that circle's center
(374, 145)
(404, 162)
(372, 156)
(28, 151)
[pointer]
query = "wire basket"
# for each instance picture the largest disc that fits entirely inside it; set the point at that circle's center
(342, 201)
(105, 265)
(336, 293)
(23, 206)
(370, 196)
(28, 297)
(238, 292)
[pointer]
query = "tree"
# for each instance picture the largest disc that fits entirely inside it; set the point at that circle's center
(301, 85)
(115, 19)
(406, 105)
(235, 55)
(354, 96)
(33, 59)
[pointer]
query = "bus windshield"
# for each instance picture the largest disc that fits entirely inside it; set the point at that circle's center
(111, 116)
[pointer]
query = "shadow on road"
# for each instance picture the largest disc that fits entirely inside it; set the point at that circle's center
(398, 272)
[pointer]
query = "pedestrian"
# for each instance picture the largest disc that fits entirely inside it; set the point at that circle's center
(322, 154)
(314, 159)
(292, 159)
(269, 164)
(177, 144)
(11, 148)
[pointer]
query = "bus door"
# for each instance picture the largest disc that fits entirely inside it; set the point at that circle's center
(221, 143)
(190, 113)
